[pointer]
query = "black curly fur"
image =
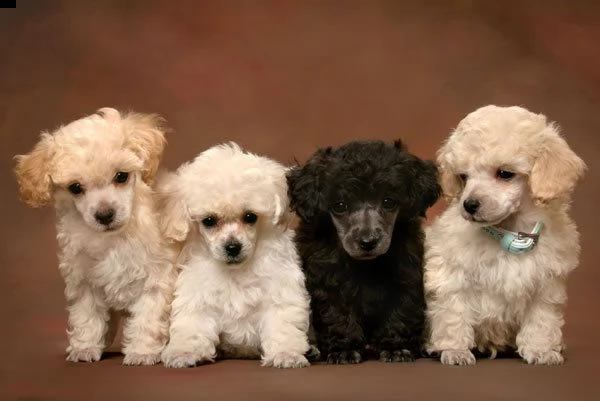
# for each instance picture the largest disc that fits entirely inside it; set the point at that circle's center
(364, 306)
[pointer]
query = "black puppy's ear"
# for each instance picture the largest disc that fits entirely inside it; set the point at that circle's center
(426, 189)
(305, 184)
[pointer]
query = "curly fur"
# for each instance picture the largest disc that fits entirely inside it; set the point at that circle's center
(374, 301)
(124, 266)
(480, 296)
(249, 305)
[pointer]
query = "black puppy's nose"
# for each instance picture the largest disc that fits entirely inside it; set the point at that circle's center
(368, 243)
(471, 205)
(105, 217)
(233, 249)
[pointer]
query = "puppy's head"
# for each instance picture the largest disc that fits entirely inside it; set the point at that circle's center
(227, 199)
(501, 158)
(92, 166)
(363, 188)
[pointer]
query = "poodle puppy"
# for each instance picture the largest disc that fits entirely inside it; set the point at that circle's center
(97, 171)
(361, 244)
(240, 291)
(497, 259)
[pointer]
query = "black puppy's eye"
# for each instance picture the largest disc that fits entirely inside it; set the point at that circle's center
(340, 207)
(463, 177)
(209, 221)
(75, 188)
(389, 203)
(121, 177)
(505, 175)
(250, 218)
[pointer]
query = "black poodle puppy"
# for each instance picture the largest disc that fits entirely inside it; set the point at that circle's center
(361, 243)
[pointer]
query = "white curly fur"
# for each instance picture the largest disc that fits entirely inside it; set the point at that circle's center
(479, 295)
(126, 266)
(255, 307)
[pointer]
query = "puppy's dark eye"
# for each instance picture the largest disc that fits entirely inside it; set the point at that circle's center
(250, 218)
(463, 177)
(75, 188)
(389, 203)
(505, 175)
(121, 177)
(339, 208)
(210, 221)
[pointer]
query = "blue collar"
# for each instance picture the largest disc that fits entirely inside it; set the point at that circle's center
(515, 242)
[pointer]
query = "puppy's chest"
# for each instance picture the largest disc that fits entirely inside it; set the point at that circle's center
(240, 299)
(118, 272)
(510, 276)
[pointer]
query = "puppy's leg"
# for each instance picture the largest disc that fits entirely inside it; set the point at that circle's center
(194, 335)
(539, 340)
(339, 333)
(284, 336)
(451, 332)
(88, 317)
(399, 338)
(145, 330)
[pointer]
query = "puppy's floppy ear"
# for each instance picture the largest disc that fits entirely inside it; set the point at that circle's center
(175, 219)
(145, 136)
(426, 189)
(556, 169)
(450, 183)
(281, 202)
(33, 173)
(306, 183)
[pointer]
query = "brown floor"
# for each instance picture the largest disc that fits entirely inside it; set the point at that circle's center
(283, 78)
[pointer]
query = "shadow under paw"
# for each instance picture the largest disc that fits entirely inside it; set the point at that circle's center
(344, 358)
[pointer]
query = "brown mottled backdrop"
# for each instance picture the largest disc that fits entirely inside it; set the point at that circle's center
(282, 78)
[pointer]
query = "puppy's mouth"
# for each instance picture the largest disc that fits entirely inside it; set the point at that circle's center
(365, 256)
(483, 222)
(234, 261)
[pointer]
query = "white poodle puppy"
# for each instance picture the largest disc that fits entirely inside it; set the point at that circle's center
(240, 292)
(97, 171)
(497, 259)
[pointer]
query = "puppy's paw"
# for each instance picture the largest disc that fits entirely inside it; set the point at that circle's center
(344, 358)
(84, 355)
(396, 356)
(179, 359)
(313, 354)
(457, 357)
(541, 357)
(141, 359)
(286, 360)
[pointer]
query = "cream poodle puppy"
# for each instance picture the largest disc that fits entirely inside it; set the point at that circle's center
(240, 292)
(497, 259)
(97, 171)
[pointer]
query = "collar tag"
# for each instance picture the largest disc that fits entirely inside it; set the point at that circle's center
(516, 242)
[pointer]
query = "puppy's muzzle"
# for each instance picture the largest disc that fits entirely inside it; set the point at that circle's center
(471, 206)
(105, 216)
(233, 249)
(368, 242)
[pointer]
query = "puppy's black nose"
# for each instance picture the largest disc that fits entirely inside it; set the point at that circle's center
(368, 243)
(233, 249)
(471, 205)
(105, 216)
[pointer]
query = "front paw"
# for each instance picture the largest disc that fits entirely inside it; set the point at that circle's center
(141, 359)
(313, 354)
(181, 359)
(396, 356)
(286, 360)
(541, 357)
(457, 357)
(344, 358)
(84, 355)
